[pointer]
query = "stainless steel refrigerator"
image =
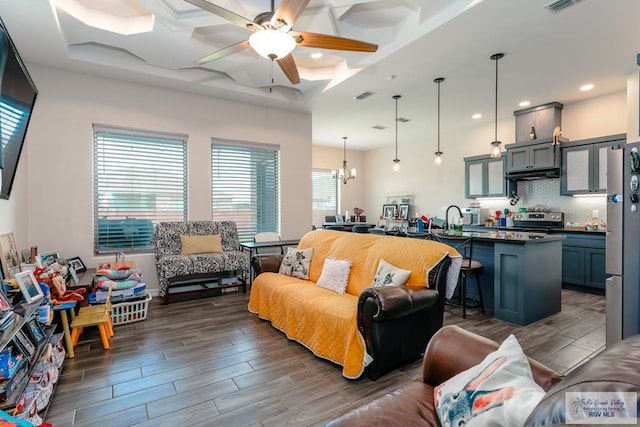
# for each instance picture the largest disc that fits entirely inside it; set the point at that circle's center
(622, 288)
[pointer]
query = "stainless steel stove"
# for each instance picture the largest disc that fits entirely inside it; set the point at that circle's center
(539, 221)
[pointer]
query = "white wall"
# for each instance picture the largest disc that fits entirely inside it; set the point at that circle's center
(57, 214)
(434, 188)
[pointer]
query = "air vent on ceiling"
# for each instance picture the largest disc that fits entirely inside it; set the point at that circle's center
(379, 127)
(364, 95)
(403, 119)
(558, 5)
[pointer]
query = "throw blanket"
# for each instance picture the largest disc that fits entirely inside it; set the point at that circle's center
(326, 322)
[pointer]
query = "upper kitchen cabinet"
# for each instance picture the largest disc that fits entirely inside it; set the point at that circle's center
(484, 177)
(538, 122)
(523, 157)
(584, 165)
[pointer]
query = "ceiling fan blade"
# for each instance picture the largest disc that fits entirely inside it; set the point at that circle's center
(224, 13)
(325, 41)
(289, 11)
(223, 52)
(288, 66)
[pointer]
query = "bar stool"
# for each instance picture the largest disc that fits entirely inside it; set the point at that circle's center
(469, 266)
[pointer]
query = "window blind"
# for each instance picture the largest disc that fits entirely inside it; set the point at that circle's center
(245, 186)
(325, 195)
(140, 179)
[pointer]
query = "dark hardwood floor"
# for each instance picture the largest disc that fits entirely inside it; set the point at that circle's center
(208, 362)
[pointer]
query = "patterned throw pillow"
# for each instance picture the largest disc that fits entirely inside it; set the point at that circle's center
(500, 391)
(296, 263)
(334, 276)
(389, 275)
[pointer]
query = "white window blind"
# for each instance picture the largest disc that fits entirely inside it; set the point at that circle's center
(140, 179)
(245, 186)
(325, 195)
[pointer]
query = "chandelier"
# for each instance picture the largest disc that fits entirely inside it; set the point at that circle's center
(344, 173)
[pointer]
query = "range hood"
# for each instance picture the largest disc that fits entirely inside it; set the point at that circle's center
(533, 174)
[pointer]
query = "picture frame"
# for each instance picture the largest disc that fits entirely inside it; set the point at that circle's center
(25, 343)
(339, 219)
(5, 305)
(403, 211)
(36, 333)
(29, 287)
(72, 272)
(48, 258)
(77, 264)
(9, 255)
(388, 210)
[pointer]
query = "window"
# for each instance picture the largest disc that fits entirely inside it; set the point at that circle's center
(325, 195)
(140, 179)
(245, 186)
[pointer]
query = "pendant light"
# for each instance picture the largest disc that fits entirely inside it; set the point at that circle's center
(496, 146)
(344, 173)
(438, 158)
(396, 161)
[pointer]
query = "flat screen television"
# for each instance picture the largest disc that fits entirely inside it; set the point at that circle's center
(17, 96)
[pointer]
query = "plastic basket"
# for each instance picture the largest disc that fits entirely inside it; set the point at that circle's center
(127, 312)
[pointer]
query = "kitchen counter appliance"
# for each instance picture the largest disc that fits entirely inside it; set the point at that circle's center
(539, 221)
(474, 216)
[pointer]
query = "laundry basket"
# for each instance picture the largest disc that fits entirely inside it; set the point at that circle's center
(128, 312)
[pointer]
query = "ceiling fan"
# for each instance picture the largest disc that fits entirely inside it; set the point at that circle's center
(273, 38)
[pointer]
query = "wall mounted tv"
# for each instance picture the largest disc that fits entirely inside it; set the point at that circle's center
(17, 96)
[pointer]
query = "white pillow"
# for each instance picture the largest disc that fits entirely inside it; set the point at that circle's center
(389, 275)
(500, 391)
(296, 263)
(335, 273)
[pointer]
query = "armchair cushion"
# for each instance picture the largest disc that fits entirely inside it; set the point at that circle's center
(207, 244)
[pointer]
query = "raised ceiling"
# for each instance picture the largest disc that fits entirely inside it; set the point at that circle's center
(548, 55)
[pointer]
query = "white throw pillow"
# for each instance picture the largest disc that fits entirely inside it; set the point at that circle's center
(500, 391)
(389, 275)
(296, 263)
(335, 273)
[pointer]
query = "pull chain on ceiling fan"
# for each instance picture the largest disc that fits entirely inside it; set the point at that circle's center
(273, 38)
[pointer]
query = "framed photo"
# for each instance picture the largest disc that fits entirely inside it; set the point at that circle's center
(77, 264)
(9, 254)
(49, 258)
(389, 210)
(403, 211)
(35, 331)
(29, 287)
(5, 305)
(339, 219)
(25, 343)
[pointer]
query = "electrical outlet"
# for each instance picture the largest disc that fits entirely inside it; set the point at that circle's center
(595, 214)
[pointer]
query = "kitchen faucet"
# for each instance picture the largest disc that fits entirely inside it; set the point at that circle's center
(446, 215)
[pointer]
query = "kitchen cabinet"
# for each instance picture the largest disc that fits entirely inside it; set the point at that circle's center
(584, 165)
(527, 157)
(484, 177)
(583, 260)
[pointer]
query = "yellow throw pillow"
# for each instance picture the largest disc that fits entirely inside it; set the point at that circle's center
(208, 244)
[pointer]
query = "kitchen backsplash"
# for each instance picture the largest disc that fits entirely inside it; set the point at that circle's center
(546, 192)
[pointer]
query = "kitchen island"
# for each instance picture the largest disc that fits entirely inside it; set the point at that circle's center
(522, 278)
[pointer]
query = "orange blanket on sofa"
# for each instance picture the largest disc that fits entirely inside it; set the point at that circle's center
(324, 321)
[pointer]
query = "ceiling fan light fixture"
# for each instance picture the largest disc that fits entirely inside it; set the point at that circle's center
(272, 44)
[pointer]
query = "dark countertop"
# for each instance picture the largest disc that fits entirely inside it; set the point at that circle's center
(516, 229)
(518, 237)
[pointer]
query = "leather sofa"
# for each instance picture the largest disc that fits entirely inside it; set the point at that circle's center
(365, 330)
(453, 350)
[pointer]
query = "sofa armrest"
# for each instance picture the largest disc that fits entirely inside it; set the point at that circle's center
(397, 301)
(443, 358)
(268, 263)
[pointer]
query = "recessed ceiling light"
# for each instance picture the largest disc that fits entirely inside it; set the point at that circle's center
(586, 87)
(316, 55)
(524, 103)
(476, 116)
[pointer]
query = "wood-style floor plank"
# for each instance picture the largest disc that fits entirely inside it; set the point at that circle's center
(209, 362)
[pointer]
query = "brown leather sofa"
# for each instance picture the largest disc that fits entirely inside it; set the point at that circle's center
(453, 350)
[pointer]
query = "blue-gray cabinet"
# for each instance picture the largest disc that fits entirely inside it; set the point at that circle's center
(583, 259)
(584, 165)
(484, 177)
(522, 157)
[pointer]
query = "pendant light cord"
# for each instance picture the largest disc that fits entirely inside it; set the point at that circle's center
(396, 97)
(495, 127)
(344, 140)
(439, 81)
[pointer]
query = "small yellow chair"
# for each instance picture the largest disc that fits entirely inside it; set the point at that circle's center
(97, 315)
